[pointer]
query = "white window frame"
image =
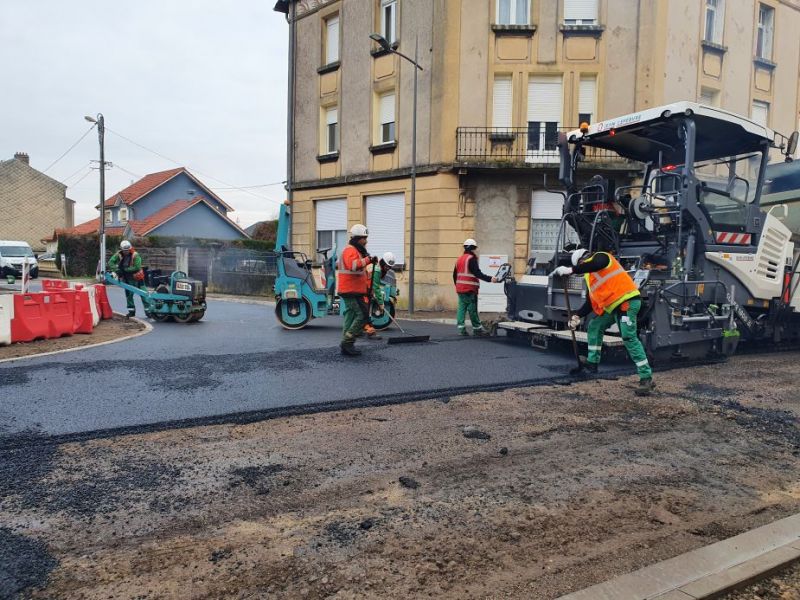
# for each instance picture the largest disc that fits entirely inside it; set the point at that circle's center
(715, 20)
(543, 130)
(513, 9)
(587, 106)
(109, 216)
(331, 39)
(337, 232)
(123, 214)
(502, 101)
(765, 33)
(331, 136)
(570, 8)
(759, 104)
(388, 9)
(387, 126)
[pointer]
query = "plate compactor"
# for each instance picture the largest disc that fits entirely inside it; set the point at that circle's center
(176, 297)
(713, 268)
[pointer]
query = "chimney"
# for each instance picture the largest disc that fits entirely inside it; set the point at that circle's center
(23, 157)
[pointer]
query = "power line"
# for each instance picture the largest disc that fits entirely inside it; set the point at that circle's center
(206, 175)
(248, 187)
(80, 139)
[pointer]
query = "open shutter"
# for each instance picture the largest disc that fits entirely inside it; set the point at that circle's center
(501, 101)
(386, 220)
(332, 40)
(583, 11)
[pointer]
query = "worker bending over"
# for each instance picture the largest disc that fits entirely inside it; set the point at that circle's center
(376, 274)
(353, 282)
(613, 297)
(127, 265)
(467, 277)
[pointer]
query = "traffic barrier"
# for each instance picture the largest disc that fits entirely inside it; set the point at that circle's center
(52, 285)
(6, 314)
(103, 305)
(30, 321)
(84, 316)
(93, 304)
(60, 312)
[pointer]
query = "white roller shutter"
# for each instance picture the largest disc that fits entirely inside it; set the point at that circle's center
(707, 97)
(760, 113)
(587, 96)
(583, 11)
(546, 205)
(544, 99)
(387, 109)
(331, 215)
(331, 116)
(501, 101)
(332, 40)
(386, 221)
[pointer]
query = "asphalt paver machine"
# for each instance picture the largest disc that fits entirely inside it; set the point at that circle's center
(715, 270)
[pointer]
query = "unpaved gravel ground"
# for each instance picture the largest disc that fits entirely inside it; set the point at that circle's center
(551, 489)
(112, 329)
(784, 585)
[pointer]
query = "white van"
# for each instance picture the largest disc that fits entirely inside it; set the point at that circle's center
(12, 256)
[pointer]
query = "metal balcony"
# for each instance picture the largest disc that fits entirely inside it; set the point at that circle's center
(535, 145)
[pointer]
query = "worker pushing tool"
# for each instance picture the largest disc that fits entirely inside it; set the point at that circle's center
(613, 297)
(353, 281)
(127, 265)
(467, 277)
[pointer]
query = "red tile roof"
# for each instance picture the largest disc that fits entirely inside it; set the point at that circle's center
(88, 227)
(146, 225)
(145, 185)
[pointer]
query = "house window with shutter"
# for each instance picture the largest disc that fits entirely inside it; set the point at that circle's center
(759, 113)
(331, 142)
(123, 214)
(544, 113)
(386, 119)
(587, 99)
(580, 12)
(332, 39)
(715, 21)
(502, 95)
(331, 224)
(109, 217)
(709, 97)
(386, 222)
(389, 20)
(513, 12)
(766, 26)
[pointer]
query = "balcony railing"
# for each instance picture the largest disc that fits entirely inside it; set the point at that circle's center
(532, 145)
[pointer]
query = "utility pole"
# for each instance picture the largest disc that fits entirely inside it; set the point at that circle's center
(101, 131)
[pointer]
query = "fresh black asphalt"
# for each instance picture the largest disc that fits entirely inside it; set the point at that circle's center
(239, 364)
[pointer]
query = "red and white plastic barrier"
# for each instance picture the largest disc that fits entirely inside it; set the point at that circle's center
(30, 320)
(103, 305)
(6, 314)
(53, 285)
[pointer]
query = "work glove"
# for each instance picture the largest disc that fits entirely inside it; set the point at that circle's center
(562, 271)
(574, 321)
(380, 310)
(374, 260)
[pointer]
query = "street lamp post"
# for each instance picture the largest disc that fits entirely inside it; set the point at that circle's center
(392, 48)
(101, 131)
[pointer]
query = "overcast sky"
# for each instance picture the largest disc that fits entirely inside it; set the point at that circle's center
(201, 82)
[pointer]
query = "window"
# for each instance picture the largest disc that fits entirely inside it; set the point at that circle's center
(331, 224)
(501, 101)
(386, 221)
(332, 39)
(513, 12)
(709, 97)
(123, 214)
(386, 119)
(331, 130)
(760, 113)
(715, 21)
(546, 209)
(587, 99)
(766, 25)
(544, 113)
(389, 20)
(109, 218)
(580, 12)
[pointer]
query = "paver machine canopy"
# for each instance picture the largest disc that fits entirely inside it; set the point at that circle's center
(711, 266)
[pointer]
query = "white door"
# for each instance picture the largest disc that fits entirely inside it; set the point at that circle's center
(491, 298)
(544, 118)
(386, 221)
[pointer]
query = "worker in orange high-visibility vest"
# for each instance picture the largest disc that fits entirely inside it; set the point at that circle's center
(467, 277)
(613, 297)
(353, 283)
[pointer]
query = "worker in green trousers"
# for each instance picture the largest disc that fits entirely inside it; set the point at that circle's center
(127, 265)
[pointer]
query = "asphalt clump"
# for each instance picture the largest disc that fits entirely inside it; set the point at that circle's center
(24, 563)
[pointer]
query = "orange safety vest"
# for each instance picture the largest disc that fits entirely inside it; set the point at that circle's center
(610, 287)
(466, 282)
(351, 272)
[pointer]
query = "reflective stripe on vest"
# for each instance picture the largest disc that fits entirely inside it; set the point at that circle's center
(466, 282)
(353, 280)
(610, 287)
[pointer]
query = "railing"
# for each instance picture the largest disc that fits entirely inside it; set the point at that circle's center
(534, 145)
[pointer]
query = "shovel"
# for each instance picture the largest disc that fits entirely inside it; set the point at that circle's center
(407, 337)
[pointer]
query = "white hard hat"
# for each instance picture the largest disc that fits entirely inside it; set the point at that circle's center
(358, 230)
(125, 245)
(577, 255)
(470, 242)
(388, 258)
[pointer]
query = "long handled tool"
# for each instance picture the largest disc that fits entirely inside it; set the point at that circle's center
(407, 337)
(572, 331)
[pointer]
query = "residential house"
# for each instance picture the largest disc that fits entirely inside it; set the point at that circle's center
(170, 203)
(500, 79)
(32, 204)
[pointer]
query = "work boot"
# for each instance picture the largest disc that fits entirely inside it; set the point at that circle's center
(586, 367)
(480, 332)
(131, 313)
(645, 387)
(349, 349)
(463, 331)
